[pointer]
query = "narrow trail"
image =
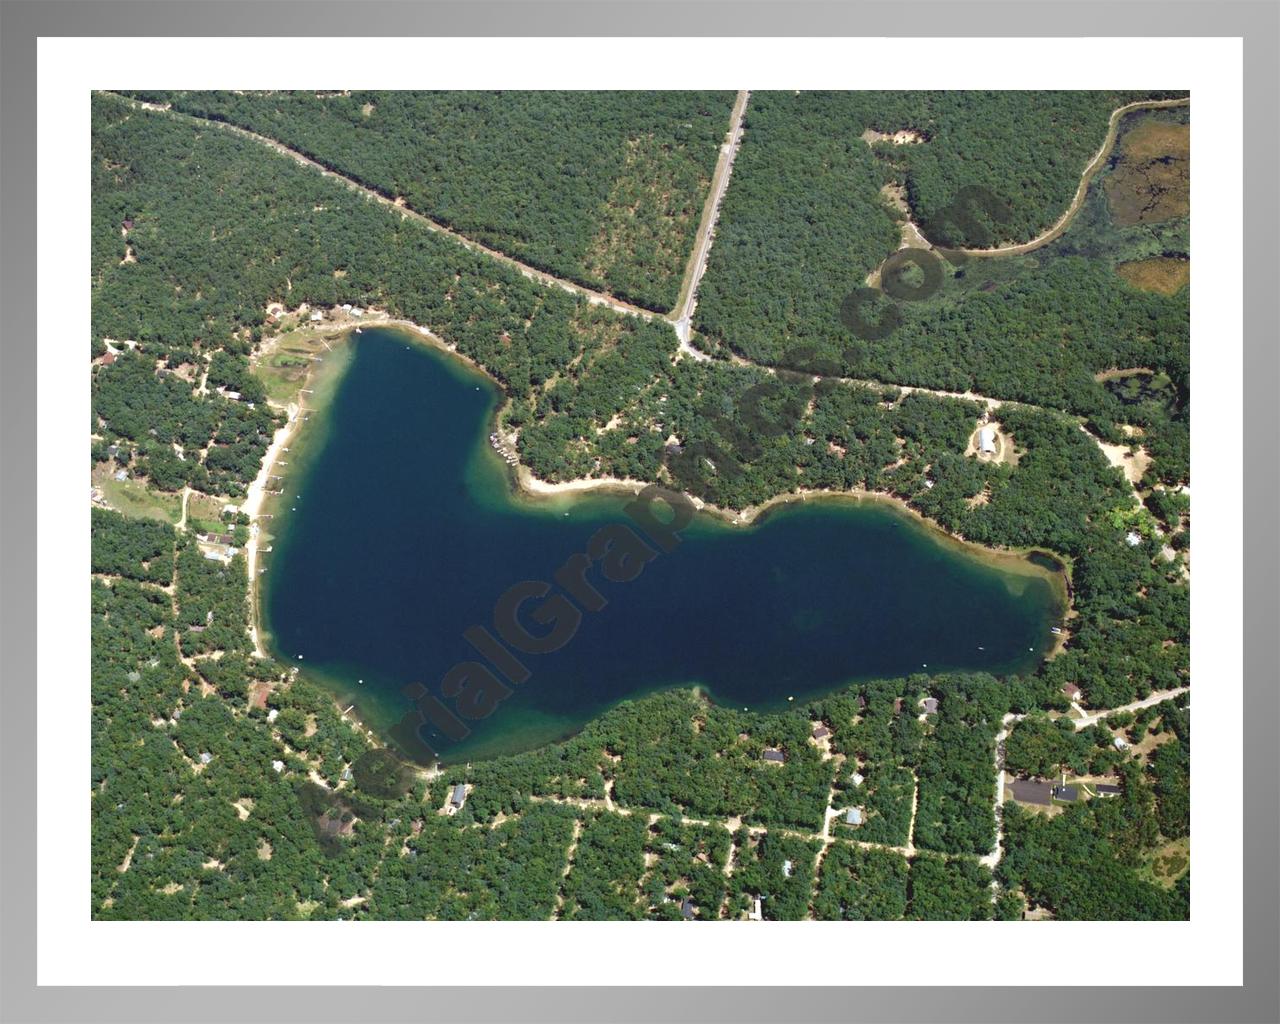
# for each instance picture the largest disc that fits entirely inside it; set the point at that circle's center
(590, 294)
(993, 858)
(682, 315)
(1082, 190)
(1159, 697)
(680, 318)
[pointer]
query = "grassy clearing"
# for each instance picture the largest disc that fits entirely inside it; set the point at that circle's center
(1158, 274)
(1169, 862)
(283, 368)
(204, 513)
(134, 498)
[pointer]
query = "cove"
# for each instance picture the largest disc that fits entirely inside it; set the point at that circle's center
(399, 528)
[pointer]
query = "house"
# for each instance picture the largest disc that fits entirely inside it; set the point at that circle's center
(1032, 791)
(856, 779)
(1133, 538)
(687, 909)
(316, 316)
(122, 474)
(206, 757)
(853, 816)
(930, 705)
(757, 911)
(987, 441)
(273, 714)
(787, 868)
(357, 311)
(277, 766)
(459, 796)
(821, 732)
(1120, 743)
(1071, 691)
(774, 756)
(897, 705)
(1067, 793)
(108, 359)
(1107, 789)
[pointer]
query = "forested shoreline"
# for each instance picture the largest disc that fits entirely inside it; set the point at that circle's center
(196, 232)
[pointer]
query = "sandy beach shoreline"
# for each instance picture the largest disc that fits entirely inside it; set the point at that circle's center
(252, 507)
(526, 485)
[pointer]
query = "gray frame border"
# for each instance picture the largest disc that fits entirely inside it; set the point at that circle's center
(1256, 21)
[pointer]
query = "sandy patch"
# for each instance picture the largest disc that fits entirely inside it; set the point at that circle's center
(901, 137)
(1001, 440)
(1132, 462)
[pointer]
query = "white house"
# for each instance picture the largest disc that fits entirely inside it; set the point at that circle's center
(987, 441)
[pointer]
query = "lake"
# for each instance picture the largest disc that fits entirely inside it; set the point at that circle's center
(400, 529)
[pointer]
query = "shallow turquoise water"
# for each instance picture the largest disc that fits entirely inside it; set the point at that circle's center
(401, 532)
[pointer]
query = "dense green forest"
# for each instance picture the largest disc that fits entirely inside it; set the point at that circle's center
(805, 222)
(603, 188)
(229, 786)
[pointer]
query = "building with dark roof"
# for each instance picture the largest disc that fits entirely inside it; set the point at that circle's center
(774, 756)
(1067, 793)
(1107, 789)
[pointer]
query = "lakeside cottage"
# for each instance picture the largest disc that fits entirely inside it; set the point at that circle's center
(930, 705)
(821, 732)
